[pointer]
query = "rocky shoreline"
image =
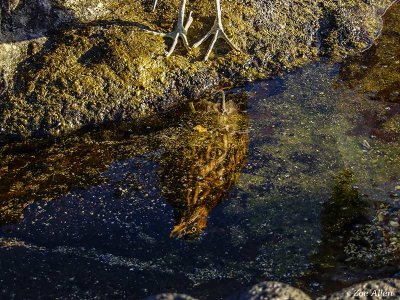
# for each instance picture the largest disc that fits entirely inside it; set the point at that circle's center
(66, 65)
(375, 289)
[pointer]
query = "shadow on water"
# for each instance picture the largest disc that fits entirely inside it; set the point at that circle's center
(297, 182)
(28, 20)
(353, 247)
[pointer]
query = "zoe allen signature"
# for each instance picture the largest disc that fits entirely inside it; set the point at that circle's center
(373, 293)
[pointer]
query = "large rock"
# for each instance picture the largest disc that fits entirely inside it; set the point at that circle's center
(69, 64)
(376, 289)
(271, 290)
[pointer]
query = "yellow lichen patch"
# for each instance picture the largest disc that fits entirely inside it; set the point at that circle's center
(200, 129)
(78, 73)
(393, 125)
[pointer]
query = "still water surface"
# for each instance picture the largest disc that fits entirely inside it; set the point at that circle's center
(298, 181)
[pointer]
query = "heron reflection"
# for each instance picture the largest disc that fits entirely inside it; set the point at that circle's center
(202, 168)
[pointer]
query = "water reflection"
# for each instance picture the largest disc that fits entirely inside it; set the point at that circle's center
(196, 171)
(316, 203)
(344, 208)
(356, 224)
(200, 170)
(45, 171)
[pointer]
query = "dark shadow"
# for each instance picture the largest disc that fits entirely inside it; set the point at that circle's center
(32, 20)
(348, 233)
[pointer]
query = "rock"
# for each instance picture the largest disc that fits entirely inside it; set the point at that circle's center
(380, 80)
(376, 289)
(170, 297)
(97, 65)
(273, 290)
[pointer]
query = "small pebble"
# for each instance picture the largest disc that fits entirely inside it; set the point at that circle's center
(394, 224)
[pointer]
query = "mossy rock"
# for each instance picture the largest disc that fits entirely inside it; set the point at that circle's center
(104, 67)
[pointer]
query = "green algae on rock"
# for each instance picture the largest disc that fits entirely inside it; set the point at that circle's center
(108, 69)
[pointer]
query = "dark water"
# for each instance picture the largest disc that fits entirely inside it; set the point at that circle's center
(299, 181)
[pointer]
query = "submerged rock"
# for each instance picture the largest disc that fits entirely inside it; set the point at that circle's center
(71, 64)
(170, 297)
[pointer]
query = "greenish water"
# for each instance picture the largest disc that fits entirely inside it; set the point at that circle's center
(298, 182)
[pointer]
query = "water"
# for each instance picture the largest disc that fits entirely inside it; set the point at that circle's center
(298, 182)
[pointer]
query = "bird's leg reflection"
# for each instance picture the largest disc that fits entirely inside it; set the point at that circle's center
(200, 171)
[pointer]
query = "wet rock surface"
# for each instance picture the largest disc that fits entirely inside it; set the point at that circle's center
(297, 182)
(70, 64)
(377, 289)
(273, 291)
